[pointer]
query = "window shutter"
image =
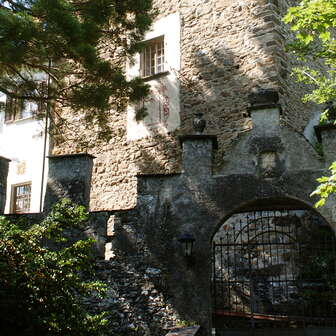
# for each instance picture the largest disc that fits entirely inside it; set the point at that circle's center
(9, 109)
(18, 108)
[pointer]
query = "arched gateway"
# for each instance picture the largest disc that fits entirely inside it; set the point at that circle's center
(274, 268)
(263, 257)
(273, 255)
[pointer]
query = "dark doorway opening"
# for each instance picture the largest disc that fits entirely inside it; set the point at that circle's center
(274, 269)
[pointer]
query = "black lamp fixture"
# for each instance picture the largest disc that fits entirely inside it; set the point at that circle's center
(187, 240)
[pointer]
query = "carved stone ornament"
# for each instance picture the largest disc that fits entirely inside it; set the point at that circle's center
(199, 123)
(331, 108)
(268, 164)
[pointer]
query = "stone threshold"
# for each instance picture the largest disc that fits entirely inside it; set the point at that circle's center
(184, 331)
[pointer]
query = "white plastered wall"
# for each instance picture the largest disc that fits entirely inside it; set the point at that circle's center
(163, 104)
(22, 142)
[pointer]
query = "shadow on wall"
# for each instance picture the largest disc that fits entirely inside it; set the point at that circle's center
(215, 82)
(219, 90)
(242, 48)
(219, 71)
(227, 49)
(197, 202)
(138, 300)
(151, 285)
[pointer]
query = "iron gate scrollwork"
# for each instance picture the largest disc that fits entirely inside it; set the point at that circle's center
(275, 269)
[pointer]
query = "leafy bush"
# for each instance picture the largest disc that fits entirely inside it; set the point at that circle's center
(313, 23)
(42, 287)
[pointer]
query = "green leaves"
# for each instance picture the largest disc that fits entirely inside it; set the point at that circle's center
(326, 187)
(42, 288)
(87, 43)
(314, 23)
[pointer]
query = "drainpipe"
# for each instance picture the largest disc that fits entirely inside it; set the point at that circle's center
(45, 139)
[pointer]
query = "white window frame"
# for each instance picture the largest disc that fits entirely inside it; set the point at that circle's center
(20, 108)
(14, 197)
(169, 28)
(152, 57)
(164, 99)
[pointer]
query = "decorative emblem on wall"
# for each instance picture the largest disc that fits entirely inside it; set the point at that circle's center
(268, 156)
(21, 167)
(268, 164)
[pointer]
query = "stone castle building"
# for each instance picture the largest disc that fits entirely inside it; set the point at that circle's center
(207, 56)
(213, 54)
(208, 228)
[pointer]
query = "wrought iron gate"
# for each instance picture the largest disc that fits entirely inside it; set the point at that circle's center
(275, 269)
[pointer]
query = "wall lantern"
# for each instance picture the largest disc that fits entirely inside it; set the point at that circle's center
(187, 240)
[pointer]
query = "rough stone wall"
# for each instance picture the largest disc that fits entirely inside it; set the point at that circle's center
(295, 113)
(138, 300)
(198, 203)
(134, 301)
(227, 48)
(69, 177)
(151, 284)
(118, 161)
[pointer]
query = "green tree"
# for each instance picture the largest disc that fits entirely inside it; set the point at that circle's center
(80, 45)
(314, 23)
(42, 288)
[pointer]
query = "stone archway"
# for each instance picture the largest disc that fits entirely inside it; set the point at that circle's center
(273, 267)
(271, 162)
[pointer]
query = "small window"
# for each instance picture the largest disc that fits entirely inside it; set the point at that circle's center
(21, 198)
(152, 57)
(17, 109)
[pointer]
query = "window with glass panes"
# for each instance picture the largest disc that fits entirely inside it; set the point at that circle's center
(20, 108)
(152, 57)
(17, 109)
(21, 198)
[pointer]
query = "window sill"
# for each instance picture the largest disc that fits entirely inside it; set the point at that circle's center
(156, 76)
